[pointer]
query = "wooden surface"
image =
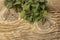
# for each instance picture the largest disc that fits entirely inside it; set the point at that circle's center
(14, 28)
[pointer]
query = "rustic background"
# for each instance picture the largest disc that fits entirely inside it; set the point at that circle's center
(14, 28)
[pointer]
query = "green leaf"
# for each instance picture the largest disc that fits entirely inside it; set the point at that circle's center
(35, 7)
(16, 3)
(22, 14)
(30, 19)
(36, 14)
(25, 6)
(41, 0)
(45, 13)
(30, 1)
(43, 7)
(8, 4)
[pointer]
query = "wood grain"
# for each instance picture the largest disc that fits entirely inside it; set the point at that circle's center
(14, 28)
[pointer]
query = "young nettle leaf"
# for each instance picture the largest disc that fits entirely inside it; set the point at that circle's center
(35, 7)
(43, 7)
(30, 19)
(41, 0)
(9, 5)
(36, 14)
(45, 13)
(30, 1)
(26, 6)
(22, 14)
(17, 3)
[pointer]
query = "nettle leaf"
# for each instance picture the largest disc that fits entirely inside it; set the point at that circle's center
(22, 14)
(35, 7)
(45, 13)
(30, 1)
(30, 19)
(36, 14)
(43, 7)
(30, 10)
(16, 3)
(26, 6)
(8, 4)
(41, 0)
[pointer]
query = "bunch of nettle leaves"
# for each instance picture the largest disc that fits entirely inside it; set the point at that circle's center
(30, 10)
